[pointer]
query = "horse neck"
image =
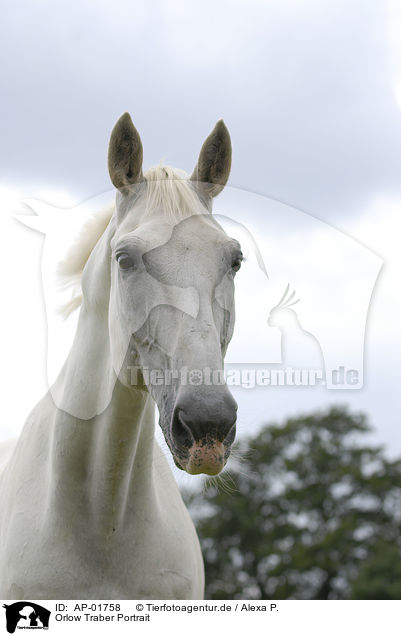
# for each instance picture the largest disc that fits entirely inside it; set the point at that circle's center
(103, 434)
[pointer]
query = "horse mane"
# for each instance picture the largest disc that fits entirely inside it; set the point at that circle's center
(167, 189)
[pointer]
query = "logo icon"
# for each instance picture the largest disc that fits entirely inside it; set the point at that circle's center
(26, 615)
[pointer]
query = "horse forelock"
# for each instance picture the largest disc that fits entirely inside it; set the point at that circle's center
(169, 190)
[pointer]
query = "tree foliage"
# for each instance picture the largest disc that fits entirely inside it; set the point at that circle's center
(314, 514)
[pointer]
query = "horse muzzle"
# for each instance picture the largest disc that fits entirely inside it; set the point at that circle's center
(203, 429)
(205, 457)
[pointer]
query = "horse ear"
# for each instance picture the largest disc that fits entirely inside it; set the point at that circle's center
(214, 163)
(125, 153)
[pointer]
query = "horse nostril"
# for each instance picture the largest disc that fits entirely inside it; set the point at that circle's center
(181, 433)
(229, 438)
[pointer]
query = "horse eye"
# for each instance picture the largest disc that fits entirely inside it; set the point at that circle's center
(124, 261)
(236, 264)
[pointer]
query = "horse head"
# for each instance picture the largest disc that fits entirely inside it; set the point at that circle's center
(171, 308)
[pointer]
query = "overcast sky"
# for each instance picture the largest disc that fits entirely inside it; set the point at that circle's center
(307, 88)
(311, 94)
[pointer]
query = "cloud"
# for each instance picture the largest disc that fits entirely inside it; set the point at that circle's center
(308, 91)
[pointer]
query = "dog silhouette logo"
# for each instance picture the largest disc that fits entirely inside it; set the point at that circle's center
(26, 615)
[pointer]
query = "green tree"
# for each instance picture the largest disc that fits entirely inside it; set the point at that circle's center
(313, 514)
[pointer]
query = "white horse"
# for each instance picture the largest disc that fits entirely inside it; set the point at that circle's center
(89, 506)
